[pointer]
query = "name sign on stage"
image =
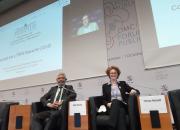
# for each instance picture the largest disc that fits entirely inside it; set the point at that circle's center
(77, 107)
(149, 103)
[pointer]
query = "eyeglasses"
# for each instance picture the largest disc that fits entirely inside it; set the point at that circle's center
(113, 73)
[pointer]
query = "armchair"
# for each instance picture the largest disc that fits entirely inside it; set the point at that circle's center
(99, 122)
(174, 99)
(4, 114)
(38, 107)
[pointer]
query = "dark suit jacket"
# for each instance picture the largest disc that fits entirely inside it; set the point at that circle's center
(68, 95)
(123, 87)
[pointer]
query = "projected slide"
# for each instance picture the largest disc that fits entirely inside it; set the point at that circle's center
(159, 32)
(59, 37)
(167, 18)
(32, 44)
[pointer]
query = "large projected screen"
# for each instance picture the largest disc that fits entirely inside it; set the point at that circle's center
(159, 30)
(166, 18)
(36, 47)
(28, 44)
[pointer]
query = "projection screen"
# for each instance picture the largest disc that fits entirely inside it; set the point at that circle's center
(159, 32)
(36, 47)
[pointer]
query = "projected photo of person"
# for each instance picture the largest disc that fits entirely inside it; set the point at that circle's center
(84, 29)
(87, 26)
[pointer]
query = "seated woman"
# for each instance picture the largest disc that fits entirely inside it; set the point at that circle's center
(115, 96)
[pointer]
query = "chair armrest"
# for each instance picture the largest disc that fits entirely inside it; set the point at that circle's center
(94, 103)
(171, 102)
(93, 113)
(37, 107)
(0, 123)
(4, 114)
(133, 113)
(174, 100)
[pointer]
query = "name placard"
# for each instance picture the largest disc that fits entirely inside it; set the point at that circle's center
(149, 103)
(77, 107)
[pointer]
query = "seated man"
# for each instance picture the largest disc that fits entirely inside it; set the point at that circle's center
(54, 100)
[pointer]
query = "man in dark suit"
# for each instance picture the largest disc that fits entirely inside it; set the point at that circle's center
(55, 101)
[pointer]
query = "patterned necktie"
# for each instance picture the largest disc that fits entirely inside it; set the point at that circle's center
(59, 94)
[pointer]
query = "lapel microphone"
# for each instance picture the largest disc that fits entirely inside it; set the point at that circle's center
(63, 86)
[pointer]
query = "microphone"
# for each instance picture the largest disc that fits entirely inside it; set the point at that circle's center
(67, 89)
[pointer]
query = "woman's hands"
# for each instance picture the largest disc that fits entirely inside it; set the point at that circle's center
(133, 92)
(109, 104)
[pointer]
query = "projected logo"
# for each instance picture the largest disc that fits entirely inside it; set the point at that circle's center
(24, 33)
(130, 79)
(164, 89)
(26, 28)
(42, 90)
